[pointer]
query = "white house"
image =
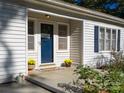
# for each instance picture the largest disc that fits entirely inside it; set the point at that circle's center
(50, 31)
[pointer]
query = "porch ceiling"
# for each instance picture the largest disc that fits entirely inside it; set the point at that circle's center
(54, 14)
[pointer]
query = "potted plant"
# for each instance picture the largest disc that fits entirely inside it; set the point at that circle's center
(31, 63)
(68, 62)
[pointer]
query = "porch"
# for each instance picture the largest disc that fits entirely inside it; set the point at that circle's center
(52, 38)
(51, 79)
(65, 37)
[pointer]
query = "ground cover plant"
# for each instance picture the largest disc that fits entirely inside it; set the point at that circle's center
(108, 79)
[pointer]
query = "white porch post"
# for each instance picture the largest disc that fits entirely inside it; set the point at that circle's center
(83, 43)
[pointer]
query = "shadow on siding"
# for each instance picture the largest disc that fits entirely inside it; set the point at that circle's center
(5, 17)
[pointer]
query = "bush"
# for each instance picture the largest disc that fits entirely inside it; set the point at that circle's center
(117, 61)
(110, 78)
(88, 76)
(92, 81)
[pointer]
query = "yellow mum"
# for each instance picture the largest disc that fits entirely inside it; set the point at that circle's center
(31, 61)
(68, 61)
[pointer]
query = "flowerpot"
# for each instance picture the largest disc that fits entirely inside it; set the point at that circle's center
(31, 67)
(103, 91)
(67, 65)
(20, 79)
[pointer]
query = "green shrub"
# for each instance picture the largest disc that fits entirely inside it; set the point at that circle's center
(116, 61)
(92, 80)
(116, 81)
(111, 80)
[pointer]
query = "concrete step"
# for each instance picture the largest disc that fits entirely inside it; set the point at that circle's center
(40, 82)
(46, 66)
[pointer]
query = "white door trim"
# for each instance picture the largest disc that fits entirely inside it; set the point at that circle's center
(39, 48)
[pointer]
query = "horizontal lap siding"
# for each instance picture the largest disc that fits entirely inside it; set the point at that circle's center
(12, 41)
(61, 56)
(33, 54)
(75, 41)
(88, 52)
(122, 40)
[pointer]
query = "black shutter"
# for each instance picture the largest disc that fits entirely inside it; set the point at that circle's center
(118, 43)
(96, 39)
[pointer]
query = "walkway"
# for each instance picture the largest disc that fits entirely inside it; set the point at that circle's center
(24, 88)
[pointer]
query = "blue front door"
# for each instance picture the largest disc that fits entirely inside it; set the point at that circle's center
(46, 43)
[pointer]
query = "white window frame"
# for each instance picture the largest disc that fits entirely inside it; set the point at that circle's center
(116, 37)
(34, 20)
(99, 37)
(110, 39)
(105, 40)
(68, 37)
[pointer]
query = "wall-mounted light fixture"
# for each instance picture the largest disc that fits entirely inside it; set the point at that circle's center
(47, 16)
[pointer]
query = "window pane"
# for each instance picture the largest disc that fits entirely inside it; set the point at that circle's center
(30, 42)
(102, 36)
(108, 33)
(108, 39)
(113, 34)
(30, 27)
(113, 39)
(62, 37)
(101, 44)
(30, 46)
(108, 44)
(30, 39)
(62, 30)
(102, 32)
(113, 44)
(63, 43)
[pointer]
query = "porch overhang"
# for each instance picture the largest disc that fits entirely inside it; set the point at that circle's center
(53, 14)
(62, 8)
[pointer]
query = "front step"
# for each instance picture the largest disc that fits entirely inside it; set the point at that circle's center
(40, 82)
(48, 67)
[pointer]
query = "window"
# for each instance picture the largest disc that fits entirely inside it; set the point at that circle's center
(108, 39)
(62, 37)
(101, 38)
(30, 35)
(114, 39)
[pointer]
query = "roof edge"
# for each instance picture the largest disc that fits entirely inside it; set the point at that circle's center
(81, 9)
